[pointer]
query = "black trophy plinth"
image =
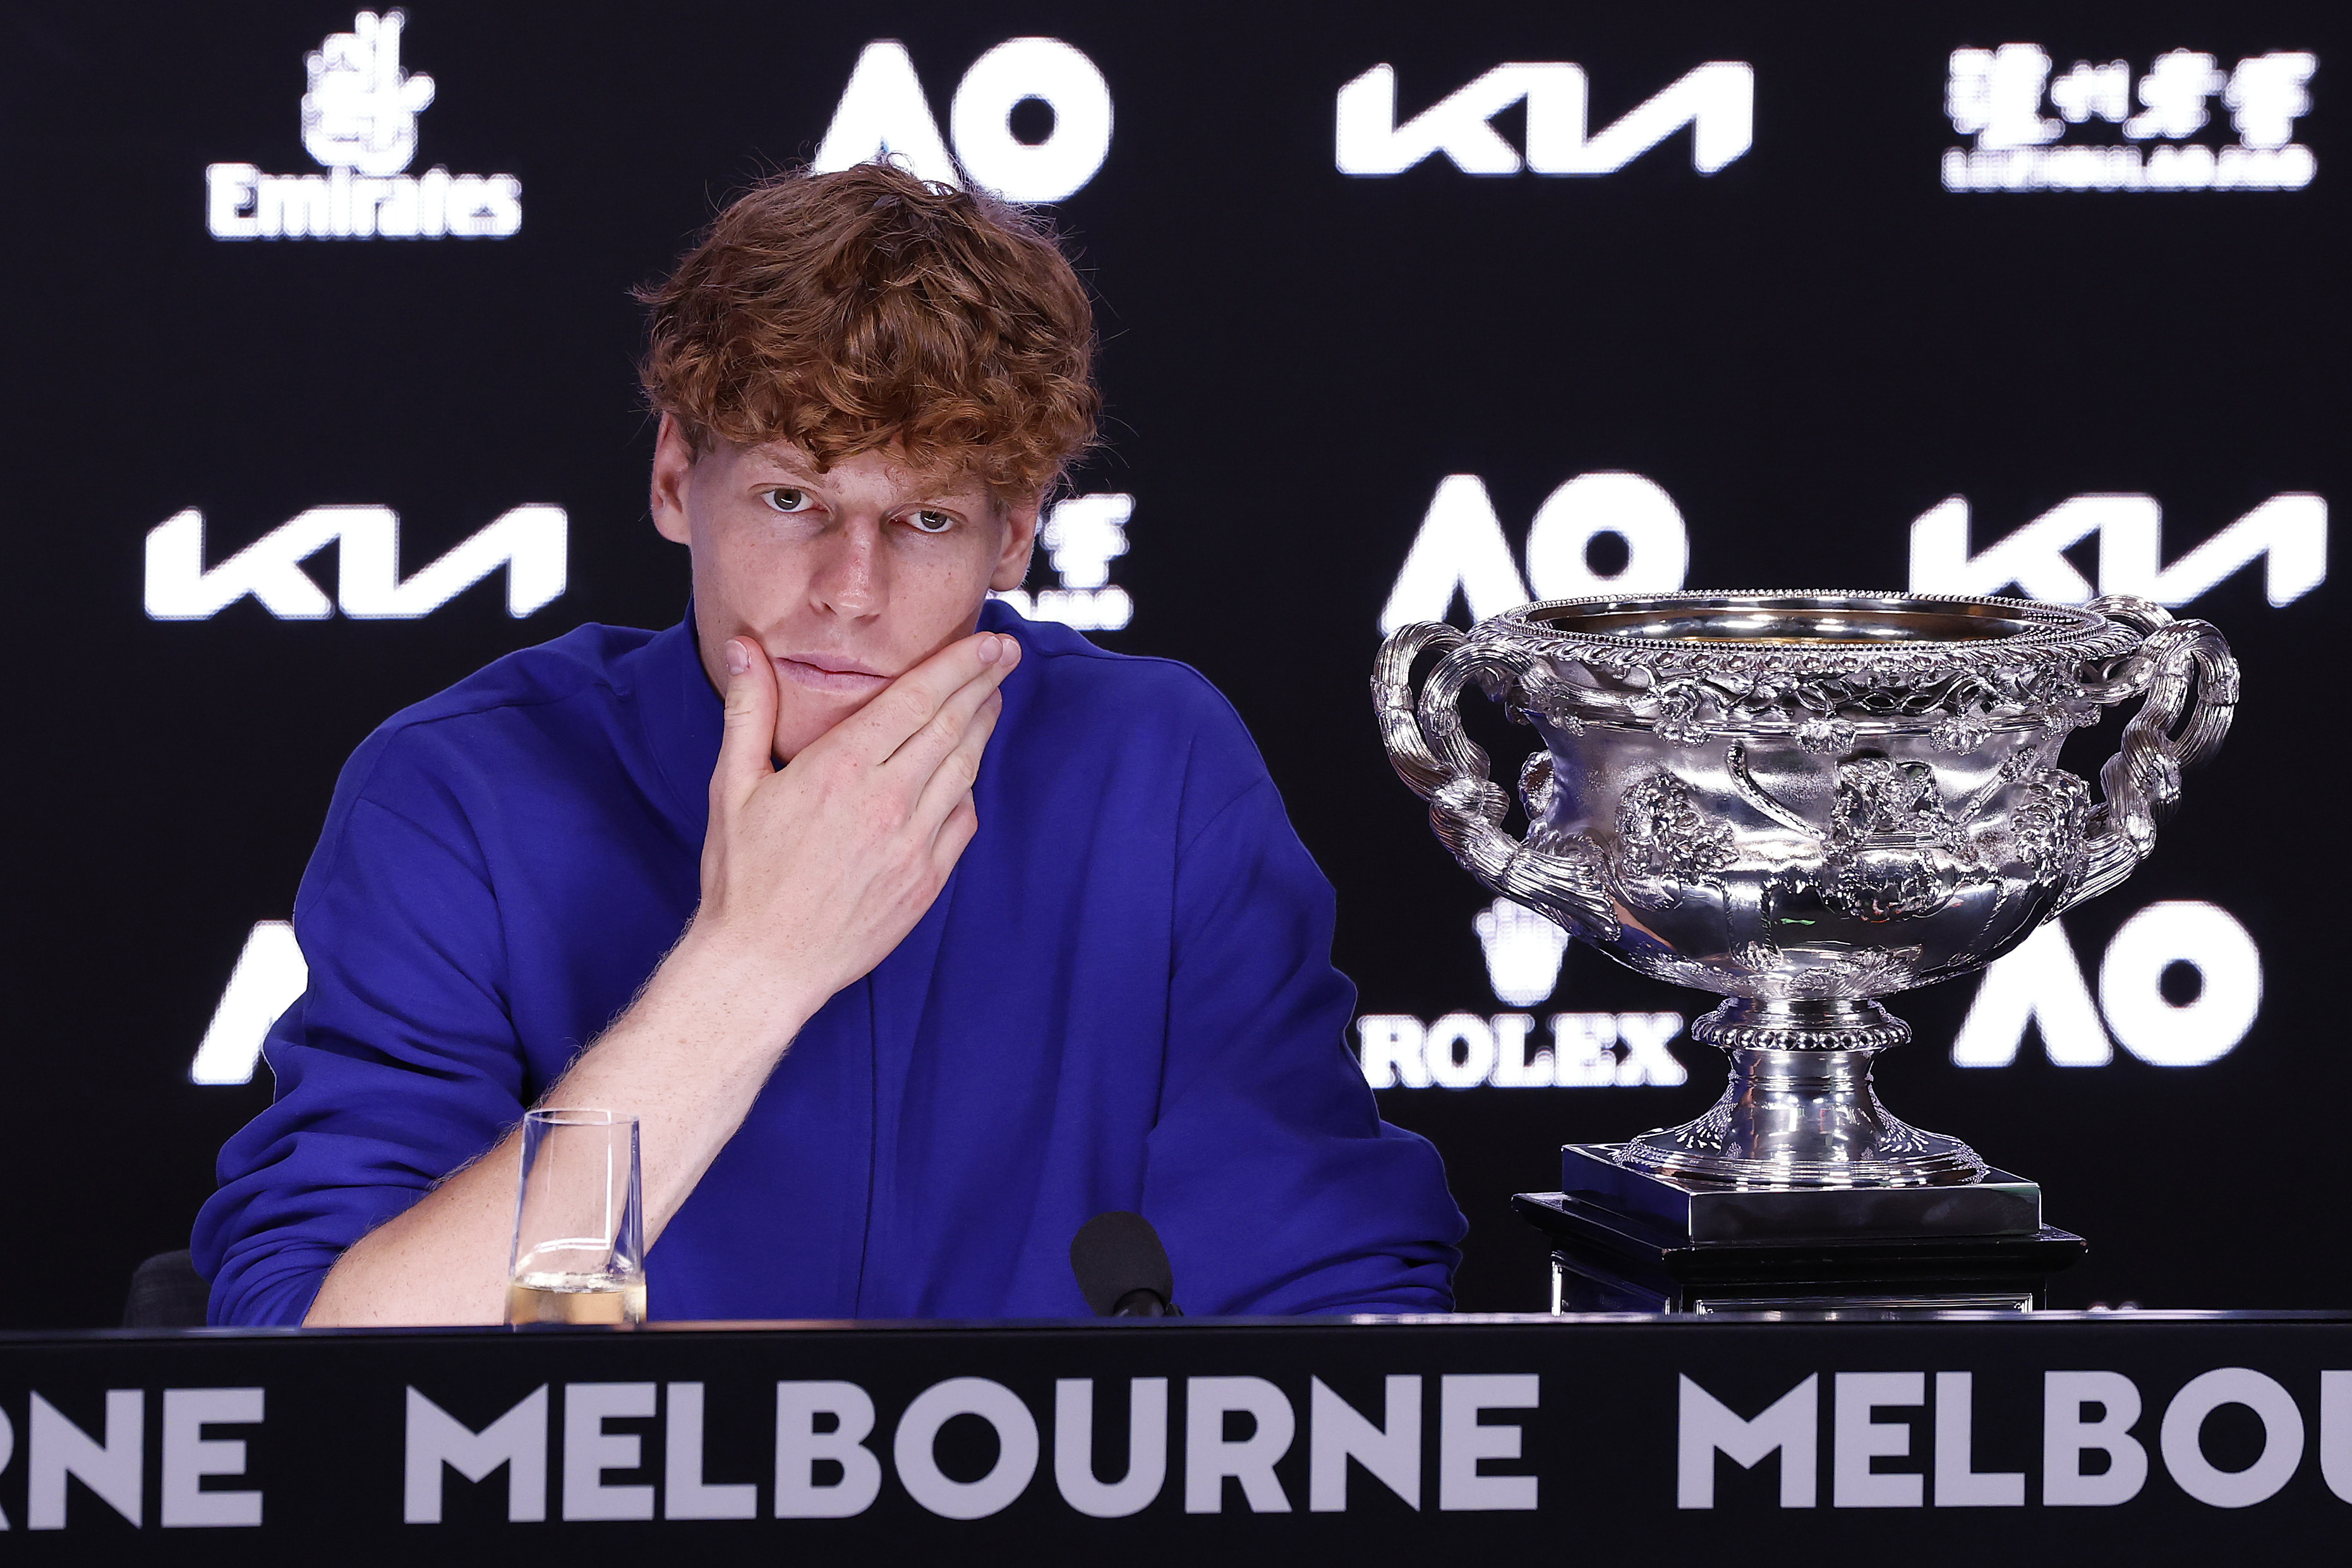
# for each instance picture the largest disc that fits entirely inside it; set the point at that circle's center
(1625, 1241)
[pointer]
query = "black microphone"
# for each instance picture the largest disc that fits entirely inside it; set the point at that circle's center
(1122, 1270)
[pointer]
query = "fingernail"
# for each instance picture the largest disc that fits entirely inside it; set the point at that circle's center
(1011, 644)
(992, 649)
(738, 658)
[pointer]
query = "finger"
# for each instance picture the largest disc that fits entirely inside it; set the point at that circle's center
(921, 752)
(911, 702)
(952, 778)
(955, 835)
(747, 745)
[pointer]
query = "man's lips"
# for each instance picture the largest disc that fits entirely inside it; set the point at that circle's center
(822, 673)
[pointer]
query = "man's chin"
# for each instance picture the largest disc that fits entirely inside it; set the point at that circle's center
(804, 717)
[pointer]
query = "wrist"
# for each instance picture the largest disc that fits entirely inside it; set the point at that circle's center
(745, 994)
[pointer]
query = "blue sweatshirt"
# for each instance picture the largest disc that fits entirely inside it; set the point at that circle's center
(1123, 999)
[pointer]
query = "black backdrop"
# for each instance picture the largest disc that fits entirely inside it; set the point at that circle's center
(1806, 350)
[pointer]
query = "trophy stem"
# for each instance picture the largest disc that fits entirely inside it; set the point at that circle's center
(1798, 1111)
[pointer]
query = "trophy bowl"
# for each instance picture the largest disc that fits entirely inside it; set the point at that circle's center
(1804, 802)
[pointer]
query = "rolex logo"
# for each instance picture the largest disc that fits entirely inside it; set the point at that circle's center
(1523, 952)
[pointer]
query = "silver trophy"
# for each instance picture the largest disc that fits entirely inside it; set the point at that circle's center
(1804, 802)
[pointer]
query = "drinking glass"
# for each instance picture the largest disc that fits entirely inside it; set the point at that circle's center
(579, 1245)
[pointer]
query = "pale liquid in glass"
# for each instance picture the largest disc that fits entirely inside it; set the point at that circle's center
(552, 1297)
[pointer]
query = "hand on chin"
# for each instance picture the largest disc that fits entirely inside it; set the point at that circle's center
(812, 699)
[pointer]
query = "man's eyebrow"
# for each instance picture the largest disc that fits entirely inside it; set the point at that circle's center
(770, 463)
(941, 489)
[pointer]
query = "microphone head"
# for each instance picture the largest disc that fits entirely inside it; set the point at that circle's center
(1115, 1253)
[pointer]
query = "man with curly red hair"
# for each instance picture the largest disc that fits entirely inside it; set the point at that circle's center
(912, 932)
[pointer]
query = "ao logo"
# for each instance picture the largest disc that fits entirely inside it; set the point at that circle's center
(1460, 548)
(2288, 533)
(2041, 984)
(1716, 100)
(884, 113)
(529, 541)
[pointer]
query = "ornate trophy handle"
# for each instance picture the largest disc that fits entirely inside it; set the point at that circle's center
(2142, 781)
(1446, 768)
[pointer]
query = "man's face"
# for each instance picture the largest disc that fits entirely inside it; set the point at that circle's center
(848, 578)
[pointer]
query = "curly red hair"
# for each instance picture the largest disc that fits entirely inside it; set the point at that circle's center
(866, 309)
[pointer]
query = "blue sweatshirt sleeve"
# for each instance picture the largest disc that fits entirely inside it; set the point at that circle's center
(397, 1066)
(1272, 1178)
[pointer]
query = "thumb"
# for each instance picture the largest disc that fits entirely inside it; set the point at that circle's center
(746, 746)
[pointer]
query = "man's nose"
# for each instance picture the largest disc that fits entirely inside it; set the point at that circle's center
(851, 578)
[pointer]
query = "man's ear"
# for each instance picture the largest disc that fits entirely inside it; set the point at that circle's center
(672, 470)
(1020, 534)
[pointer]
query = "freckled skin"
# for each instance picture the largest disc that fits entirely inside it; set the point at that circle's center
(848, 578)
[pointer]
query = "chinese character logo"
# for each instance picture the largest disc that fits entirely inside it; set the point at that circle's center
(360, 112)
(2154, 138)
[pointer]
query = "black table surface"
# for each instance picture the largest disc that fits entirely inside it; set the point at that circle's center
(1943, 1436)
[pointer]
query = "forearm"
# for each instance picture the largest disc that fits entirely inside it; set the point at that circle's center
(688, 1060)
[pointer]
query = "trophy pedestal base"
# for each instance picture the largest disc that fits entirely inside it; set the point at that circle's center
(1698, 1210)
(1626, 1241)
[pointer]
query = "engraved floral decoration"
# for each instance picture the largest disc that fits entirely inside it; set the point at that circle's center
(1665, 843)
(1760, 971)
(2046, 828)
(1825, 737)
(1681, 710)
(1871, 972)
(1823, 694)
(1894, 850)
(1880, 801)
(1960, 733)
(1662, 832)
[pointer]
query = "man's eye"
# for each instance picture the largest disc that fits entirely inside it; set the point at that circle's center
(788, 500)
(931, 521)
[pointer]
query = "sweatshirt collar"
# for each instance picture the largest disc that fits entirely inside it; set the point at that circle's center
(681, 717)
